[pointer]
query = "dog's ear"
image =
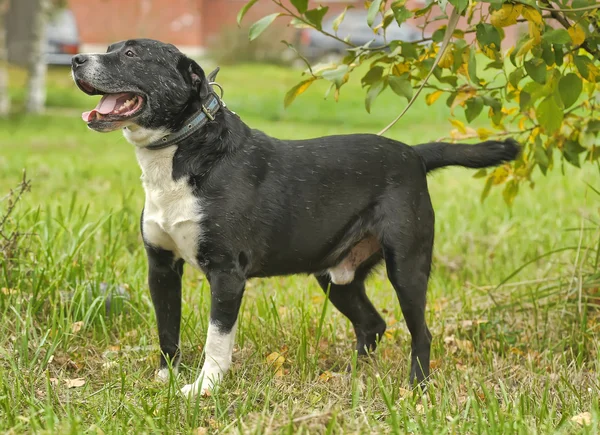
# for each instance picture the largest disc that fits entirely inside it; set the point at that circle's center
(192, 72)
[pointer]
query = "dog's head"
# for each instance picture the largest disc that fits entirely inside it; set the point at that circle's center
(143, 83)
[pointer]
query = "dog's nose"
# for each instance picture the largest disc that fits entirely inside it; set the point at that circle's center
(79, 60)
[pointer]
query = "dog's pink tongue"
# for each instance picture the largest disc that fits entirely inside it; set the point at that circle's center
(107, 104)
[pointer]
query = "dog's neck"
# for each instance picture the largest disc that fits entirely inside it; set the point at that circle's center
(155, 139)
(141, 137)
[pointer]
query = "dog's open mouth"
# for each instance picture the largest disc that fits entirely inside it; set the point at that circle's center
(112, 107)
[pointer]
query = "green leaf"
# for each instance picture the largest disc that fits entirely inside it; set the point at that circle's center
(336, 23)
(373, 10)
(401, 13)
(460, 5)
(373, 93)
(515, 77)
(473, 108)
(409, 50)
(571, 152)
(487, 35)
(472, 67)
(547, 54)
(257, 28)
(315, 16)
(569, 88)
(559, 54)
(401, 85)
(557, 36)
(297, 90)
(549, 115)
(536, 68)
(583, 66)
(488, 186)
(525, 101)
(373, 75)
(510, 192)
(480, 174)
(541, 158)
(245, 9)
(300, 5)
(593, 126)
(338, 76)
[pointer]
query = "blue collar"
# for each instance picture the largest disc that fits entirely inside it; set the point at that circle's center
(191, 126)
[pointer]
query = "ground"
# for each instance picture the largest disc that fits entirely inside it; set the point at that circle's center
(513, 303)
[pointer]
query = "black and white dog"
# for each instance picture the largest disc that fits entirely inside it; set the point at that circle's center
(238, 204)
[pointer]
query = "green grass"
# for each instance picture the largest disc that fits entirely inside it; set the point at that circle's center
(520, 358)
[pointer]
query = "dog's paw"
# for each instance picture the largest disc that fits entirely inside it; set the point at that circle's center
(191, 390)
(163, 375)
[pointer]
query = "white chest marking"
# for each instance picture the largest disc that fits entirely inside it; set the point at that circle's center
(172, 213)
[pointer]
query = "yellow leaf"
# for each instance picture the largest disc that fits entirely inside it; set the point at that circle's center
(499, 175)
(577, 34)
(276, 360)
(447, 59)
(459, 125)
(507, 15)
(388, 335)
(297, 90)
(532, 15)
(526, 48)
(432, 98)
(535, 31)
(522, 123)
(583, 419)
(325, 376)
(400, 68)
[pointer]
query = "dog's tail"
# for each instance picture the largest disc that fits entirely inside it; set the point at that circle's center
(489, 153)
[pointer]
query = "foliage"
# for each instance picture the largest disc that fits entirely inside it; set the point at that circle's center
(544, 91)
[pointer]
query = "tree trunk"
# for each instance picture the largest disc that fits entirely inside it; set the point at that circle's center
(4, 97)
(36, 86)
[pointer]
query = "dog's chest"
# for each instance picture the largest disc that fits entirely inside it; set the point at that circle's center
(172, 214)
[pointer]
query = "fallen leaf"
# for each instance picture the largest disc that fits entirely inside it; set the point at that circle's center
(325, 376)
(435, 364)
(276, 360)
(76, 327)
(53, 381)
(75, 383)
(420, 408)
(214, 424)
(583, 419)
(201, 431)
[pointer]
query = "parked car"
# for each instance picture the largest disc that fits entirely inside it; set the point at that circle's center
(315, 45)
(62, 38)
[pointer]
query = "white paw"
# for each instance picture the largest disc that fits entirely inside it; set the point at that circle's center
(162, 375)
(191, 390)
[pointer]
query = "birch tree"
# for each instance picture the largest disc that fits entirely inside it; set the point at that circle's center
(36, 86)
(4, 97)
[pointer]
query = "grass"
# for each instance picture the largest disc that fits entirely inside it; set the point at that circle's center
(522, 357)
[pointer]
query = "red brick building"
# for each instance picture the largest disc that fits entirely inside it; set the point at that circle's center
(189, 24)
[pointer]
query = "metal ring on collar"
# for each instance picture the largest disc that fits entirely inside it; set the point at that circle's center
(220, 88)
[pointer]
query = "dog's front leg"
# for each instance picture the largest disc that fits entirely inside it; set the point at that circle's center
(226, 289)
(164, 280)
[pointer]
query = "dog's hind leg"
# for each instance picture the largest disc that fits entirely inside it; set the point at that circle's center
(407, 249)
(352, 301)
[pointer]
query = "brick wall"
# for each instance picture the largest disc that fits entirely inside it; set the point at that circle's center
(186, 23)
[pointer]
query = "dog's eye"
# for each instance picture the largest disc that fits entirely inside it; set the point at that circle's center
(129, 53)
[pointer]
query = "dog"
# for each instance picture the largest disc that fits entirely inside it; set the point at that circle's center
(238, 204)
